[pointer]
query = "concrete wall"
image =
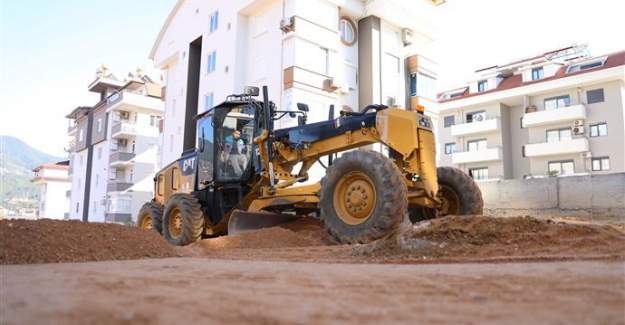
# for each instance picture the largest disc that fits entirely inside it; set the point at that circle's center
(589, 195)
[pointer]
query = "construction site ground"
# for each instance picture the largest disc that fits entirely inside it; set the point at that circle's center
(450, 270)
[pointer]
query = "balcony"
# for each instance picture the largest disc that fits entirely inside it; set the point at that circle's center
(118, 185)
(490, 154)
(559, 115)
(123, 129)
(121, 158)
(486, 126)
(127, 101)
(578, 145)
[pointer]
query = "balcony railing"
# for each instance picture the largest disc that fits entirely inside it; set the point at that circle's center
(490, 154)
(121, 157)
(552, 116)
(486, 126)
(117, 185)
(128, 101)
(556, 148)
(123, 128)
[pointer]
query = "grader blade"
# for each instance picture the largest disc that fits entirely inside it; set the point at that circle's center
(243, 221)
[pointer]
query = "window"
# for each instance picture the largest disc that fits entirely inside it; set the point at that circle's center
(476, 116)
(80, 135)
(559, 135)
(594, 96)
(599, 130)
(154, 120)
(479, 173)
(449, 121)
(482, 85)
(97, 179)
(557, 102)
(450, 148)
(99, 153)
(208, 101)
(99, 124)
(600, 164)
(456, 95)
(214, 21)
(561, 167)
(477, 145)
(586, 65)
(212, 62)
(413, 84)
(537, 73)
(77, 205)
(425, 86)
(347, 31)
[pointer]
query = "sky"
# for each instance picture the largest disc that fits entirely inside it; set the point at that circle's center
(49, 50)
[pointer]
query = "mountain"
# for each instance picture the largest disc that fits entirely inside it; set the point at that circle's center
(17, 159)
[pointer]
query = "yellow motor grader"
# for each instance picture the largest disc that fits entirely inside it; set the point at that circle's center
(244, 175)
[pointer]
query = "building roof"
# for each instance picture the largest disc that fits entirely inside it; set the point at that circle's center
(61, 165)
(516, 80)
(161, 33)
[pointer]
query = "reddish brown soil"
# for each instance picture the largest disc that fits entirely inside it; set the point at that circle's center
(450, 239)
(54, 241)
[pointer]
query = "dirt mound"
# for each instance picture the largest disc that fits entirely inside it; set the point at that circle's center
(53, 241)
(305, 232)
(477, 237)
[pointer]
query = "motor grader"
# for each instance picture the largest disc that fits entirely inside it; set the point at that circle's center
(244, 174)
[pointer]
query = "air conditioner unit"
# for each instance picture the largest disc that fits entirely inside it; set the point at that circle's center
(124, 115)
(578, 123)
(578, 130)
(287, 24)
(406, 36)
(479, 118)
(390, 101)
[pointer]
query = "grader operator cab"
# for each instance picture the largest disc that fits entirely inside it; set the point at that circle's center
(243, 174)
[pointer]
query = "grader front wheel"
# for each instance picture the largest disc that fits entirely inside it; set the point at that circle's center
(363, 197)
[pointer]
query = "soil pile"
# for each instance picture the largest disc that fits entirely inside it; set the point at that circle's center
(53, 241)
(477, 237)
(305, 232)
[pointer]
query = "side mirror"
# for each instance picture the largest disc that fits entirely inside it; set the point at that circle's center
(251, 91)
(302, 107)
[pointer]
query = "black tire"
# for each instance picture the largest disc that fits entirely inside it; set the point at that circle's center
(386, 214)
(189, 211)
(453, 181)
(153, 211)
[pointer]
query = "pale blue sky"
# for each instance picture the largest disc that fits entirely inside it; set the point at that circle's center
(49, 50)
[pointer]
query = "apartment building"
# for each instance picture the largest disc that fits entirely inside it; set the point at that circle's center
(346, 53)
(555, 114)
(113, 148)
(53, 182)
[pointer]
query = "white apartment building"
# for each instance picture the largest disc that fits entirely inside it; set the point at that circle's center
(54, 184)
(346, 53)
(556, 114)
(113, 148)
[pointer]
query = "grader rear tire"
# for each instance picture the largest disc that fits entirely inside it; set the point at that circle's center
(151, 216)
(363, 197)
(459, 193)
(183, 220)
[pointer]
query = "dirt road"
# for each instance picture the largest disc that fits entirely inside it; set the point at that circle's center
(185, 290)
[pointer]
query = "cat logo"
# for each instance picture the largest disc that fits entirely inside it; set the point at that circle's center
(188, 166)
